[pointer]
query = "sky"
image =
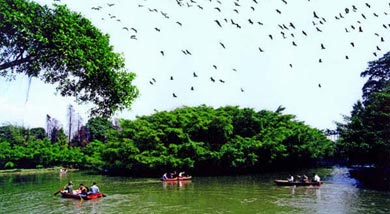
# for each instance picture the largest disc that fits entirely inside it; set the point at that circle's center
(304, 55)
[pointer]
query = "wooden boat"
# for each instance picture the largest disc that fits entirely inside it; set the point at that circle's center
(296, 183)
(184, 178)
(81, 196)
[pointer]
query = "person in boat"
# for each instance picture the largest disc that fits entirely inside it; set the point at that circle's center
(94, 188)
(69, 188)
(173, 174)
(181, 174)
(316, 178)
(305, 179)
(290, 178)
(164, 177)
(82, 189)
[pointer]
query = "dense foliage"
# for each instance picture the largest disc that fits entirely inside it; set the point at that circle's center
(202, 140)
(30, 148)
(63, 48)
(365, 135)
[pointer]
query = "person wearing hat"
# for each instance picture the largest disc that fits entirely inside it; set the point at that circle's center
(69, 187)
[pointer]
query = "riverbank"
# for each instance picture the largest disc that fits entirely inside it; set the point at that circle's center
(32, 171)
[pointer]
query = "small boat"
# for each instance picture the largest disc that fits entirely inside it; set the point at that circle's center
(183, 178)
(296, 183)
(82, 196)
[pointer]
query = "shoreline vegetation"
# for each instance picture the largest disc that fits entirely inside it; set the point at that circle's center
(32, 171)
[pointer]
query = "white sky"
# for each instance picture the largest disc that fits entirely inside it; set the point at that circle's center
(267, 78)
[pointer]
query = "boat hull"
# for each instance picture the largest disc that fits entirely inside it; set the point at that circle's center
(186, 178)
(287, 183)
(78, 196)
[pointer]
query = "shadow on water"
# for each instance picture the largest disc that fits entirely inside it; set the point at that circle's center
(372, 178)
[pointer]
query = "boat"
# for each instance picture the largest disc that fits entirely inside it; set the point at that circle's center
(82, 196)
(296, 183)
(183, 178)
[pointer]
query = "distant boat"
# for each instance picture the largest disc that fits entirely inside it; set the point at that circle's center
(296, 183)
(183, 178)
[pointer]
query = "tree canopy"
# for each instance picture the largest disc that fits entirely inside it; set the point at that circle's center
(365, 135)
(199, 140)
(62, 47)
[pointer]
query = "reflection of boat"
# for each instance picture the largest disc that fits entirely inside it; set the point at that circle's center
(183, 178)
(287, 183)
(80, 196)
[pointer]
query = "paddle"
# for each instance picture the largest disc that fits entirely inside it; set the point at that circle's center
(58, 192)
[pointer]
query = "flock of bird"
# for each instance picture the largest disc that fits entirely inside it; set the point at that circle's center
(274, 28)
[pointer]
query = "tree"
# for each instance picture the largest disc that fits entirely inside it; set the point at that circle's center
(62, 47)
(365, 135)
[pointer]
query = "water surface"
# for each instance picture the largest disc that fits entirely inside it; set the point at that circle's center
(228, 194)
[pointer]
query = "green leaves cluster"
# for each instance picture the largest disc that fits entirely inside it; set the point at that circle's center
(213, 141)
(365, 135)
(29, 148)
(62, 47)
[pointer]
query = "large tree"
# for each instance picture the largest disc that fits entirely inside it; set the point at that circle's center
(62, 47)
(365, 137)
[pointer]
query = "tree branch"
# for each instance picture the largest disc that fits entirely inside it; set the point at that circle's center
(16, 62)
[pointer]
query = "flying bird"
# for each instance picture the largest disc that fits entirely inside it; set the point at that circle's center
(218, 23)
(222, 45)
(174, 95)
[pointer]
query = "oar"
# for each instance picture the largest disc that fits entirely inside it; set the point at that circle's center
(57, 192)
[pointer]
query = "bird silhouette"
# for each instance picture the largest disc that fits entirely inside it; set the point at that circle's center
(319, 85)
(278, 11)
(218, 23)
(192, 88)
(214, 66)
(222, 45)
(194, 74)
(261, 50)
(212, 79)
(174, 95)
(322, 46)
(171, 78)
(162, 53)
(315, 15)
(135, 30)
(157, 29)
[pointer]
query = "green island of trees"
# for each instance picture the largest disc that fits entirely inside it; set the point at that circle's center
(201, 139)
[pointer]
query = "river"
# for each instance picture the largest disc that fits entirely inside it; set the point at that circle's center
(222, 194)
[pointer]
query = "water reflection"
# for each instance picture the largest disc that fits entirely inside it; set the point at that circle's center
(175, 184)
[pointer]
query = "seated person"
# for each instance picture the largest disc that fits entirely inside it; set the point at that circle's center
(94, 188)
(290, 178)
(69, 188)
(82, 189)
(316, 178)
